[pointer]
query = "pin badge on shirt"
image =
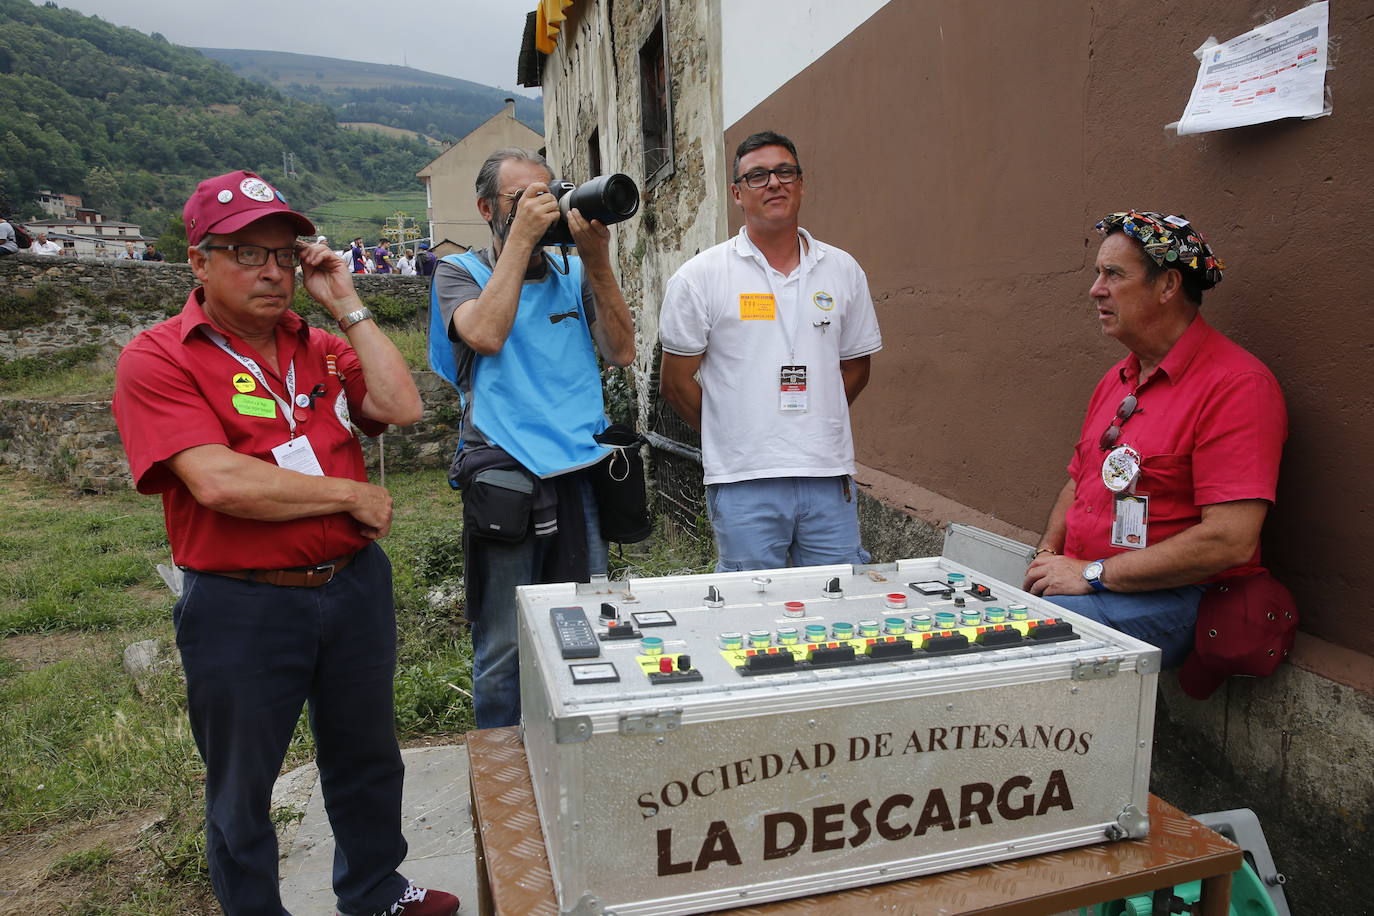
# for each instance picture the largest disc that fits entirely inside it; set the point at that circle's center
(244, 382)
(1121, 468)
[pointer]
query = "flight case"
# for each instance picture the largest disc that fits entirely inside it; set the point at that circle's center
(718, 740)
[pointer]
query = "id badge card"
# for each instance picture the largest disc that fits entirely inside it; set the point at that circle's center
(298, 455)
(1130, 520)
(792, 388)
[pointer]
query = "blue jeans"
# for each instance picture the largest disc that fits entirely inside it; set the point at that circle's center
(501, 567)
(774, 522)
(254, 654)
(1162, 618)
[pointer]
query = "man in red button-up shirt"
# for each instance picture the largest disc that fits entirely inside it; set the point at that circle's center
(242, 417)
(1178, 459)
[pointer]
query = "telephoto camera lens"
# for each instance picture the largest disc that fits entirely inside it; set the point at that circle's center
(608, 198)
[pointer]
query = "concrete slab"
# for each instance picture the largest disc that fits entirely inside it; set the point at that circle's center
(434, 817)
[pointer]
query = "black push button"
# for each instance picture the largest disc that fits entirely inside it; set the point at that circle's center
(771, 662)
(954, 642)
(900, 648)
(1061, 630)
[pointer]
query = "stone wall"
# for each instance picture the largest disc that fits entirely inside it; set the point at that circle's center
(48, 305)
(52, 304)
(74, 441)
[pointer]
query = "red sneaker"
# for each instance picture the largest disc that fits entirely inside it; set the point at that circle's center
(417, 901)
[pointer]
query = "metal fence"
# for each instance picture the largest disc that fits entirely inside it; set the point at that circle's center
(675, 460)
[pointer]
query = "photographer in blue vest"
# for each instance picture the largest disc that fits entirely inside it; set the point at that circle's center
(518, 333)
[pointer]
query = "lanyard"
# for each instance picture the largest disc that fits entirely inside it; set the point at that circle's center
(251, 365)
(787, 323)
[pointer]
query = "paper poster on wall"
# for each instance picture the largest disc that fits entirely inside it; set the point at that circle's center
(1275, 71)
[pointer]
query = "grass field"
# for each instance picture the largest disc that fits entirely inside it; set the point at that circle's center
(389, 131)
(346, 218)
(100, 792)
(101, 789)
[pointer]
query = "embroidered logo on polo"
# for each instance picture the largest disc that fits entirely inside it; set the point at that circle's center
(341, 411)
(244, 382)
(824, 301)
(257, 189)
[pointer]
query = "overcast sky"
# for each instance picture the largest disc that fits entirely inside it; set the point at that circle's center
(476, 40)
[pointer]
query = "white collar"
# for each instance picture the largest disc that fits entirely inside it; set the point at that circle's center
(812, 251)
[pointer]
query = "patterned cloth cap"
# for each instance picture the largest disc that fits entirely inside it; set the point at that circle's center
(1170, 241)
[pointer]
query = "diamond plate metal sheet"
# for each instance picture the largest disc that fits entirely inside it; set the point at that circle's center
(516, 863)
(1178, 849)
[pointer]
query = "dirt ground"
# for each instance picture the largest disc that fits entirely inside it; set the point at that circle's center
(31, 886)
(31, 651)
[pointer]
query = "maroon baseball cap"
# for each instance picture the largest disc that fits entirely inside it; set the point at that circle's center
(227, 203)
(1244, 626)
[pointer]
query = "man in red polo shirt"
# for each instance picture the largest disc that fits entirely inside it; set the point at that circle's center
(1178, 459)
(241, 416)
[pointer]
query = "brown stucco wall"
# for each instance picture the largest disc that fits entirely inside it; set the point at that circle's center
(963, 151)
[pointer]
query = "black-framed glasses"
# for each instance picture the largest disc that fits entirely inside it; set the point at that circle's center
(1112, 433)
(256, 255)
(561, 315)
(758, 178)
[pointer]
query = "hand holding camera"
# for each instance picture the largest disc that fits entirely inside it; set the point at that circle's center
(536, 210)
(592, 237)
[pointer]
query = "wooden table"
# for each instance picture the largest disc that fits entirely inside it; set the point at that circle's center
(514, 879)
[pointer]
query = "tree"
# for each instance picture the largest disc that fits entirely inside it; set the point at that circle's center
(173, 242)
(102, 189)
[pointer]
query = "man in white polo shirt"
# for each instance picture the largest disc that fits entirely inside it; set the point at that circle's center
(766, 342)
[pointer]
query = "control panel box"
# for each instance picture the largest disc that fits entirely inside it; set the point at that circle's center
(702, 742)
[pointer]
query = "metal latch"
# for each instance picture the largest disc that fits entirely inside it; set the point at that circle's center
(1096, 669)
(1131, 823)
(652, 722)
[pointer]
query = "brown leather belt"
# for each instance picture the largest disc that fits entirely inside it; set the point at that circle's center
(297, 577)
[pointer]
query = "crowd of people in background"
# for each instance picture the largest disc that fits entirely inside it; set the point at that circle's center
(381, 259)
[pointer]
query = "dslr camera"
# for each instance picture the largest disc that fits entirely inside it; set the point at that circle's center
(608, 198)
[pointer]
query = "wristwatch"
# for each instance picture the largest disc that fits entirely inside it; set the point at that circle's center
(352, 318)
(1093, 573)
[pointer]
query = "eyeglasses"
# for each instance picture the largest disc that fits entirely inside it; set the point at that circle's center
(561, 315)
(1123, 413)
(758, 178)
(256, 255)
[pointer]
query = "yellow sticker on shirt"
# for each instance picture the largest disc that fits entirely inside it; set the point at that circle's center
(756, 307)
(244, 382)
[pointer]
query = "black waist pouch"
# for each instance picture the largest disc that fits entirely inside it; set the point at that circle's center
(498, 504)
(618, 483)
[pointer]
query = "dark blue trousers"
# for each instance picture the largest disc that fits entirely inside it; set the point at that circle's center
(254, 654)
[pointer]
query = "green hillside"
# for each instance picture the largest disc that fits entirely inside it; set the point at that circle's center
(437, 106)
(130, 122)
